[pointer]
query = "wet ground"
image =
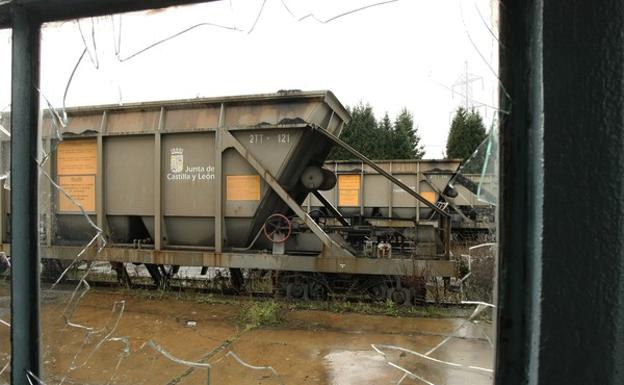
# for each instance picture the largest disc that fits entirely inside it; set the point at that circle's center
(106, 340)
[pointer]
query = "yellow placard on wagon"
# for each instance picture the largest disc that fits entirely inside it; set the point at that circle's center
(243, 187)
(76, 167)
(76, 157)
(431, 196)
(349, 190)
(82, 190)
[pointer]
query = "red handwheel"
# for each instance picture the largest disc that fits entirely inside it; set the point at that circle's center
(277, 228)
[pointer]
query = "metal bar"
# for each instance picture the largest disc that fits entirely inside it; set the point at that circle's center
(283, 262)
(99, 177)
(521, 35)
(446, 235)
(562, 64)
(361, 192)
(157, 182)
(157, 192)
(52, 10)
(2, 213)
(219, 219)
(218, 193)
(193, 103)
(337, 186)
(47, 190)
(25, 291)
(418, 176)
(390, 193)
(99, 184)
(330, 207)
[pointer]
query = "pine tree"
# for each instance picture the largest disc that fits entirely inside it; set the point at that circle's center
(361, 133)
(406, 140)
(466, 133)
(418, 148)
(380, 140)
(386, 137)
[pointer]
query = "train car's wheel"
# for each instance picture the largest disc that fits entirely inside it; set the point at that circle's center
(317, 291)
(296, 290)
(378, 292)
(161, 274)
(237, 280)
(51, 270)
(156, 275)
(122, 274)
(400, 296)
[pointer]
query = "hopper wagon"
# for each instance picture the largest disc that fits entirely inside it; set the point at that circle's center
(221, 182)
(363, 195)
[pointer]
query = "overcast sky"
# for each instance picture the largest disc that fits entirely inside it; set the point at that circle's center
(407, 53)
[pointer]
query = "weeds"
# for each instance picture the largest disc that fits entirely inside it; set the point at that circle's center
(257, 313)
(390, 308)
(262, 313)
(387, 308)
(480, 284)
(347, 306)
(434, 311)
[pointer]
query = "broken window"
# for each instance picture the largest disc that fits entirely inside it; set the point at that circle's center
(112, 315)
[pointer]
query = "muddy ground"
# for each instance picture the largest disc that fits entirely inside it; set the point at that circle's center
(106, 340)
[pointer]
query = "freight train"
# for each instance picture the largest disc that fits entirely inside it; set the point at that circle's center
(223, 182)
(363, 195)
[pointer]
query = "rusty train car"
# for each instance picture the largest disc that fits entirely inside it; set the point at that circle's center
(363, 195)
(222, 182)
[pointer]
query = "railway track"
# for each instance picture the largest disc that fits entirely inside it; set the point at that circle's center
(221, 289)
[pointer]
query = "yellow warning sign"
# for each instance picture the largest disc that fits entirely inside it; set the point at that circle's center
(76, 167)
(431, 196)
(243, 187)
(77, 157)
(82, 190)
(348, 190)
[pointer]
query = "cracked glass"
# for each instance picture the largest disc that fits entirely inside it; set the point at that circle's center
(135, 286)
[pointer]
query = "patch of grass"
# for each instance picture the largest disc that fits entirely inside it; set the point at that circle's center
(434, 311)
(387, 308)
(212, 299)
(391, 308)
(348, 306)
(258, 313)
(262, 313)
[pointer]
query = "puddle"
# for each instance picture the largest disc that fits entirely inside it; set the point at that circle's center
(358, 367)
